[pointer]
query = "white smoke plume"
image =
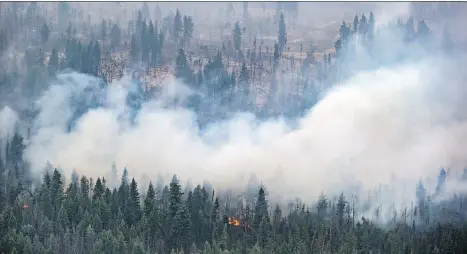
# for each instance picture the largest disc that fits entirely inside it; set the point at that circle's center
(391, 126)
(387, 12)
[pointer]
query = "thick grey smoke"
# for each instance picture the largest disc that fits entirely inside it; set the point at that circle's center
(8, 120)
(391, 126)
(385, 128)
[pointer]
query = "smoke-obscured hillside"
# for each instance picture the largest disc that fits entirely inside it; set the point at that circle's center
(248, 128)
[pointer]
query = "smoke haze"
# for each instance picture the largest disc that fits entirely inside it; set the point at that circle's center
(390, 126)
(8, 120)
(386, 126)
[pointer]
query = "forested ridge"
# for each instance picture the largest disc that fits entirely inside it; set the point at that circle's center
(89, 216)
(47, 211)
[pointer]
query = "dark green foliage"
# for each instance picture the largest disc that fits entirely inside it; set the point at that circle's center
(282, 35)
(134, 48)
(243, 95)
(363, 29)
(188, 29)
(115, 36)
(237, 36)
(344, 32)
(182, 68)
(146, 45)
(53, 62)
(45, 32)
(113, 222)
(177, 27)
(149, 201)
(276, 55)
(98, 190)
(86, 59)
(355, 25)
(423, 31)
(409, 29)
(144, 42)
(216, 78)
(261, 209)
(181, 229)
(371, 27)
(133, 204)
(175, 197)
(15, 149)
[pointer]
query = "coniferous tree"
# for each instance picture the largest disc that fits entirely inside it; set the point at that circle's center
(423, 31)
(45, 33)
(98, 190)
(363, 27)
(341, 204)
(344, 33)
(15, 150)
(96, 60)
(160, 44)
(133, 212)
(188, 29)
(181, 232)
(144, 43)
(261, 209)
(69, 31)
(134, 48)
(155, 45)
(371, 27)
(409, 30)
(237, 37)
(276, 56)
(139, 21)
(322, 206)
(282, 36)
(175, 196)
(421, 200)
(182, 68)
(177, 27)
(243, 88)
(441, 181)
(53, 62)
(149, 201)
(355, 25)
(115, 35)
(338, 47)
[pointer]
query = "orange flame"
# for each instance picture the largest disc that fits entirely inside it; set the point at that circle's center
(234, 222)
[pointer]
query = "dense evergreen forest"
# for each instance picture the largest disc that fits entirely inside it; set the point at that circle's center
(90, 216)
(114, 214)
